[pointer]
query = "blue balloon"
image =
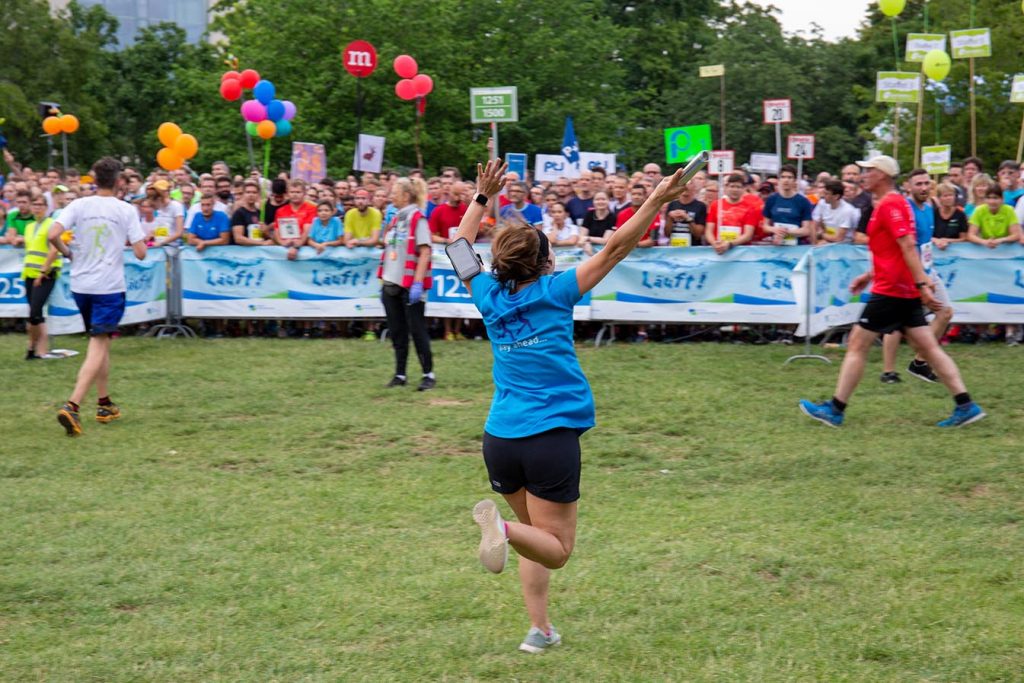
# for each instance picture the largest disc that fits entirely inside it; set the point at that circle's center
(264, 92)
(284, 129)
(275, 110)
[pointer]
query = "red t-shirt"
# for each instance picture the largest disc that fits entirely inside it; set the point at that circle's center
(625, 214)
(747, 211)
(891, 219)
(444, 217)
(305, 214)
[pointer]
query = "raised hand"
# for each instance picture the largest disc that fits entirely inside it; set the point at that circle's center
(490, 178)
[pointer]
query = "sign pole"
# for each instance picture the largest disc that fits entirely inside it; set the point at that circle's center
(359, 127)
(920, 116)
(896, 133)
(64, 139)
(799, 171)
(778, 142)
(974, 123)
(1020, 143)
(723, 110)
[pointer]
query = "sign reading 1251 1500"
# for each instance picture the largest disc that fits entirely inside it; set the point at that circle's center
(494, 105)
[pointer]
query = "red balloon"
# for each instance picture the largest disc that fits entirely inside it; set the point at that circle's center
(423, 84)
(228, 74)
(405, 89)
(249, 78)
(231, 89)
(405, 66)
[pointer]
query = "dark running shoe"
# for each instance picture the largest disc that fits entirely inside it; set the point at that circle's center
(396, 381)
(922, 371)
(426, 384)
(107, 413)
(69, 420)
(891, 378)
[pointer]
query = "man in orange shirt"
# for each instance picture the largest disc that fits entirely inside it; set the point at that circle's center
(740, 213)
(292, 221)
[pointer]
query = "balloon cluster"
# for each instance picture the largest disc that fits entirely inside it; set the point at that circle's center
(61, 123)
(177, 147)
(265, 115)
(413, 84)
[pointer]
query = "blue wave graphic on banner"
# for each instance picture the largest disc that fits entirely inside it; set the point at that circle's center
(306, 296)
(205, 296)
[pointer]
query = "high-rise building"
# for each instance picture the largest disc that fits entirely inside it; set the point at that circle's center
(131, 15)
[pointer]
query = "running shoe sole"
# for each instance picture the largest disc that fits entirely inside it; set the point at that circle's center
(493, 544)
(67, 420)
(815, 417)
(535, 650)
(923, 378)
(106, 419)
(971, 420)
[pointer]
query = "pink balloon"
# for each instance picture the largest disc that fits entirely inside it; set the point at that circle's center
(253, 111)
(423, 84)
(405, 89)
(405, 66)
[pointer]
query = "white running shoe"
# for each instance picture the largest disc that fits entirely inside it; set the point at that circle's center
(538, 641)
(493, 544)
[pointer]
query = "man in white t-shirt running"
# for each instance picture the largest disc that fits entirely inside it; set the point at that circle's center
(100, 226)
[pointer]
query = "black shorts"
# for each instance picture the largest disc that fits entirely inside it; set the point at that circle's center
(547, 464)
(885, 314)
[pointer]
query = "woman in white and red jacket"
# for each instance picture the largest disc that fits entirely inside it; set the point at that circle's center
(405, 274)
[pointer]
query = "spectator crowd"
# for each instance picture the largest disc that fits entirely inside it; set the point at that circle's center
(741, 208)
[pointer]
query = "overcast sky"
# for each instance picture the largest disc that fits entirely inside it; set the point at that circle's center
(838, 18)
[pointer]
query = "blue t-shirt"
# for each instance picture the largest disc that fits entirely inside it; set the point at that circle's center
(538, 382)
(578, 208)
(1011, 196)
(430, 209)
(924, 225)
(530, 213)
(210, 228)
(789, 211)
(318, 232)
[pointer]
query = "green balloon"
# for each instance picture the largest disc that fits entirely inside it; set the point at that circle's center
(250, 128)
(936, 65)
(891, 8)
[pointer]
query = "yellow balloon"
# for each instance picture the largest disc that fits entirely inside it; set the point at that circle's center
(936, 65)
(891, 8)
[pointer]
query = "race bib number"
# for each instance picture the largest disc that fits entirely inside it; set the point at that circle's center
(254, 231)
(680, 239)
(161, 231)
(453, 231)
(831, 232)
(927, 258)
(288, 228)
(729, 233)
(790, 240)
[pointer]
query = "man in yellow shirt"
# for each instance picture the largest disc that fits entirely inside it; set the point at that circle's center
(362, 222)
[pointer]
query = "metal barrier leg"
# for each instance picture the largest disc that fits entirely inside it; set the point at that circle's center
(173, 326)
(807, 355)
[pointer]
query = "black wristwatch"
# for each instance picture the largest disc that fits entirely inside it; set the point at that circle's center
(480, 199)
(919, 285)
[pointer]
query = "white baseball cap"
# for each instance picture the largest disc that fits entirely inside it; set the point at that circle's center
(885, 164)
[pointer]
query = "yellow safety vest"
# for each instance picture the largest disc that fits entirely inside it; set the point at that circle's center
(36, 248)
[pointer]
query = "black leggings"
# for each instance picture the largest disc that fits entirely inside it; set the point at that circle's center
(37, 296)
(405, 319)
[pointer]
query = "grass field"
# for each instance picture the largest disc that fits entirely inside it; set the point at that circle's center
(267, 511)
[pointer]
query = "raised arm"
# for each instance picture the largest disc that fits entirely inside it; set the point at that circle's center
(629, 235)
(489, 179)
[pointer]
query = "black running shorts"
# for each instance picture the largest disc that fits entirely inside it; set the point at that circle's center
(885, 314)
(547, 464)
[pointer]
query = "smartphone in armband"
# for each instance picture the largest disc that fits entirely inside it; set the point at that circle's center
(466, 262)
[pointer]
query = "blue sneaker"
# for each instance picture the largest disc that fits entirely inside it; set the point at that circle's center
(823, 412)
(537, 641)
(964, 415)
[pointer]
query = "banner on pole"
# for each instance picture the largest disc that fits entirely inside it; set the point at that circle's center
(971, 42)
(684, 142)
(591, 160)
(920, 44)
(712, 71)
(1017, 89)
(552, 167)
(898, 87)
(309, 161)
(799, 146)
(722, 162)
(369, 154)
(516, 164)
(766, 162)
(778, 111)
(935, 159)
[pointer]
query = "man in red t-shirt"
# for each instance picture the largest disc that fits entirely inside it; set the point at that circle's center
(637, 196)
(292, 221)
(448, 215)
(900, 288)
(741, 214)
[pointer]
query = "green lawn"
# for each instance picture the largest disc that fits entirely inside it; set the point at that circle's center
(267, 511)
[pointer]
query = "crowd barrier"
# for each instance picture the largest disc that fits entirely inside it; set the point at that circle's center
(753, 285)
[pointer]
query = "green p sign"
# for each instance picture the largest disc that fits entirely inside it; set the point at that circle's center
(682, 144)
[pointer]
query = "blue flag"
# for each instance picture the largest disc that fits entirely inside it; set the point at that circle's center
(570, 146)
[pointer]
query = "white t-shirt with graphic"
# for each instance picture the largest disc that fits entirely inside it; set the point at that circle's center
(101, 226)
(843, 216)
